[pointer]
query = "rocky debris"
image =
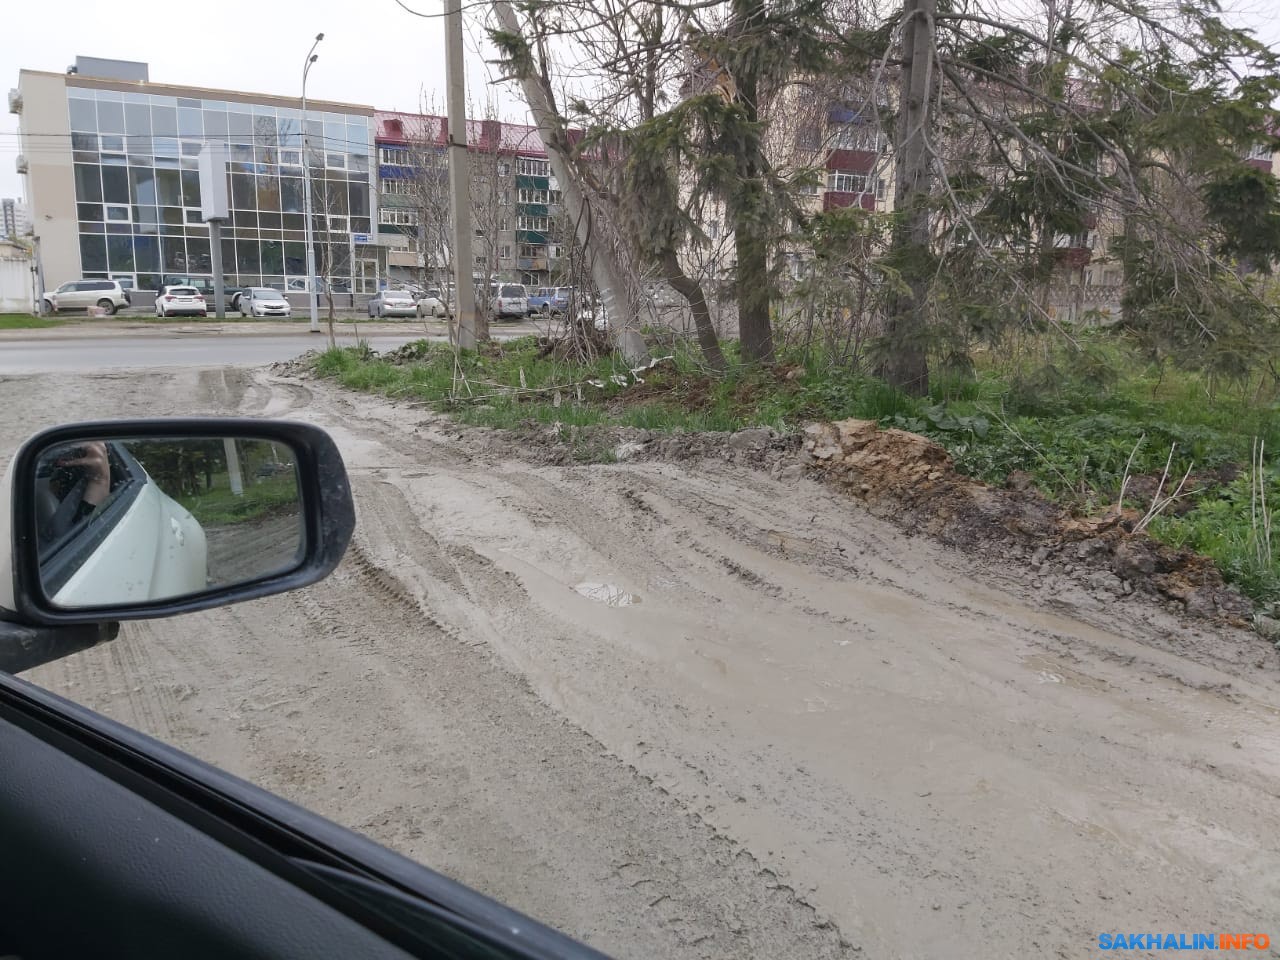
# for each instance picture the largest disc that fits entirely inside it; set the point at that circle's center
(911, 480)
(751, 439)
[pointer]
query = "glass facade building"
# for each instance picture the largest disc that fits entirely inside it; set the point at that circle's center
(137, 189)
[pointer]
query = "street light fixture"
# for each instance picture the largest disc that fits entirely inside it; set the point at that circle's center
(312, 57)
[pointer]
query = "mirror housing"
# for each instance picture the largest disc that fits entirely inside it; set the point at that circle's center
(327, 512)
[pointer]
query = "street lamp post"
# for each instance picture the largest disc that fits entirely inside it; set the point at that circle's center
(312, 57)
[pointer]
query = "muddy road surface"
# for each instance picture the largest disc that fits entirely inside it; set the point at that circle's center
(800, 734)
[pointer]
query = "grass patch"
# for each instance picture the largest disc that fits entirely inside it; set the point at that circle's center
(261, 498)
(26, 321)
(1072, 421)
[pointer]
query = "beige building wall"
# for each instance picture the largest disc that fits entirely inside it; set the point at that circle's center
(45, 136)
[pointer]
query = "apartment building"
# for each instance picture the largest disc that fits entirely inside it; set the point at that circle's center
(15, 219)
(513, 197)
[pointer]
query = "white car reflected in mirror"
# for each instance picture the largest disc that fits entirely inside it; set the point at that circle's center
(129, 521)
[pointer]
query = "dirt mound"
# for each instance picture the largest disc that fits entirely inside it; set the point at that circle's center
(912, 480)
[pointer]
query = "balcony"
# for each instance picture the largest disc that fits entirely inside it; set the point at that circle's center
(853, 161)
(531, 263)
(15, 100)
(839, 200)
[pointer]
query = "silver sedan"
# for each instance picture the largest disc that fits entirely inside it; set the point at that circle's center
(393, 303)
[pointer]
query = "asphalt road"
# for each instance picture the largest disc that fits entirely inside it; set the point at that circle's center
(95, 354)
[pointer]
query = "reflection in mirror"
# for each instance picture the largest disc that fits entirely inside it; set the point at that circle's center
(132, 521)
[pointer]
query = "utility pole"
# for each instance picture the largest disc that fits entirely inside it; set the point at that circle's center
(312, 57)
(459, 178)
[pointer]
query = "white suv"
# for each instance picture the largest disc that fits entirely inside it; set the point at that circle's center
(510, 300)
(83, 294)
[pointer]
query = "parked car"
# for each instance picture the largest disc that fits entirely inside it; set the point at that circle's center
(550, 300)
(186, 301)
(263, 302)
(83, 294)
(392, 303)
(511, 300)
(433, 302)
(204, 285)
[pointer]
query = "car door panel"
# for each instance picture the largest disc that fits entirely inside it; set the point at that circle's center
(131, 848)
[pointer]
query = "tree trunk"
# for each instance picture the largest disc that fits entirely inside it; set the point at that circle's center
(751, 285)
(607, 273)
(691, 290)
(906, 365)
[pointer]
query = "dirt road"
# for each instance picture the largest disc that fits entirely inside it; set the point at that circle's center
(807, 735)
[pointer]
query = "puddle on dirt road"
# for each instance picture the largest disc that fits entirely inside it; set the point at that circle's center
(1048, 670)
(607, 593)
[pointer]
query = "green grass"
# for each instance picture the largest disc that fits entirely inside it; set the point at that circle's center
(1073, 420)
(261, 498)
(25, 321)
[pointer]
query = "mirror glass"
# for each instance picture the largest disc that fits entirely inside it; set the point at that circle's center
(138, 520)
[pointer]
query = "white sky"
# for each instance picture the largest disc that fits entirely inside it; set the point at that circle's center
(373, 52)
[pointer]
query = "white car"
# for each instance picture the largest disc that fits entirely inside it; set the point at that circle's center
(511, 300)
(138, 542)
(263, 302)
(187, 301)
(108, 295)
(432, 302)
(392, 303)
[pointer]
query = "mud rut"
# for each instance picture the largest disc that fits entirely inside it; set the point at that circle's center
(812, 736)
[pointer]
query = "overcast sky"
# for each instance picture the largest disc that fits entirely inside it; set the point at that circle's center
(373, 53)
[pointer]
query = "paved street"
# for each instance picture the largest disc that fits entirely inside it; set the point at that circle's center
(85, 349)
(97, 354)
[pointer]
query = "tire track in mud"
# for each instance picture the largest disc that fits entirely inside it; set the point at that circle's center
(693, 776)
(779, 921)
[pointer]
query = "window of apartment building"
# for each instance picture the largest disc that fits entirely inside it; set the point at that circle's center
(392, 187)
(532, 167)
(533, 223)
(713, 229)
(504, 168)
(881, 188)
(807, 138)
(504, 252)
(504, 224)
(533, 196)
(480, 262)
(394, 156)
(530, 251)
(842, 182)
(505, 198)
(809, 189)
(399, 218)
(856, 136)
(554, 196)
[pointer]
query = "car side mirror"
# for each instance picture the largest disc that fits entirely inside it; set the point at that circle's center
(140, 519)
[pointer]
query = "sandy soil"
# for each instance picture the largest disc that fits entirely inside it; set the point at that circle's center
(807, 735)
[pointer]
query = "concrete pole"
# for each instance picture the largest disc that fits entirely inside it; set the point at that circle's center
(459, 178)
(215, 255)
(233, 466)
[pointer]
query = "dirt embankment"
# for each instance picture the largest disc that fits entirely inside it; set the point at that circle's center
(911, 481)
